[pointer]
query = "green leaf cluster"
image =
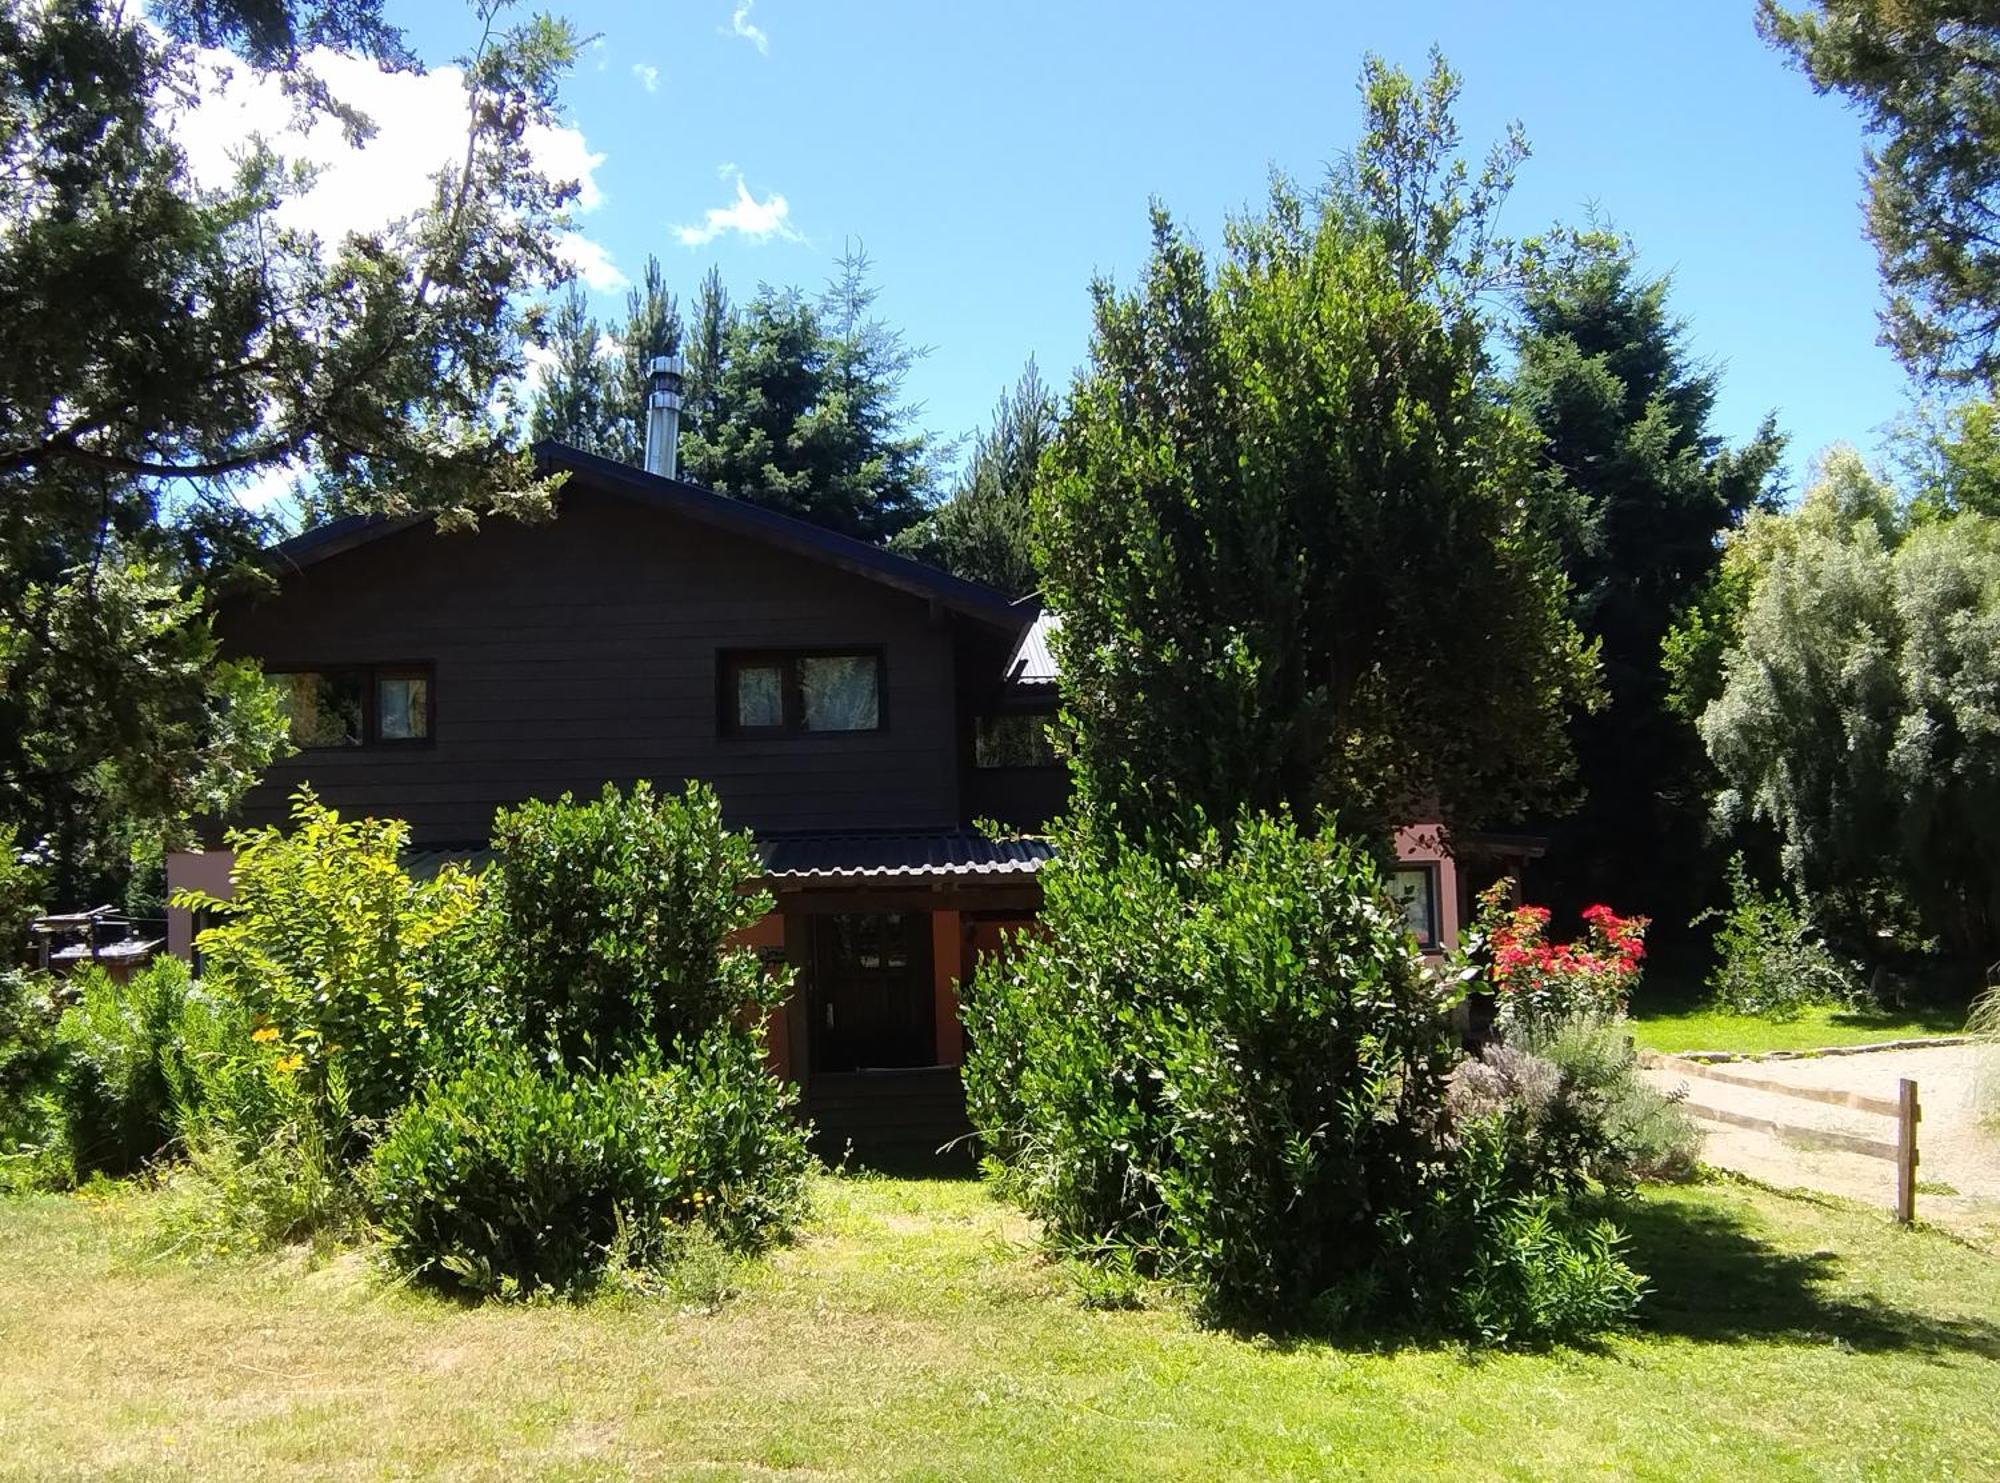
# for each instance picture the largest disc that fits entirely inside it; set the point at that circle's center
(793, 403)
(1857, 715)
(171, 340)
(1640, 491)
(1228, 1068)
(982, 531)
(1925, 75)
(369, 979)
(612, 920)
(1228, 1060)
(1289, 528)
(512, 1179)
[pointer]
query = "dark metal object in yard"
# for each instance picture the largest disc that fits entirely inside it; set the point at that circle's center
(102, 935)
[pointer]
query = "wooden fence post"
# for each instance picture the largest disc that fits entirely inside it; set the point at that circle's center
(1908, 1112)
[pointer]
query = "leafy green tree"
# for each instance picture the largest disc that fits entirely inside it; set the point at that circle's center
(575, 401)
(168, 341)
(1859, 712)
(1925, 75)
(1951, 459)
(1602, 369)
(707, 346)
(791, 403)
(1284, 522)
(803, 413)
(981, 531)
(1408, 183)
(592, 395)
(652, 329)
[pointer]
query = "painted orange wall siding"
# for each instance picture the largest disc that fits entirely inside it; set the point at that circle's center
(1422, 844)
(947, 967)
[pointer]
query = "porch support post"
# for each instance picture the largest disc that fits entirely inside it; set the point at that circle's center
(948, 966)
(798, 1008)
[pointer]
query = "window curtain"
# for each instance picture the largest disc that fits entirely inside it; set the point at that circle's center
(760, 695)
(838, 692)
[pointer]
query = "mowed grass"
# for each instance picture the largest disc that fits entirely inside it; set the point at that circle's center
(1677, 1026)
(917, 1333)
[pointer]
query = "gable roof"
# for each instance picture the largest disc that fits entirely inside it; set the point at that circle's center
(719, 511)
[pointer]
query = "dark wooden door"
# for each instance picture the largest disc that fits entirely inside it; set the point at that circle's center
(871, 991)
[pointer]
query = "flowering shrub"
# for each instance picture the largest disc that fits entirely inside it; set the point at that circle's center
(1538, 982)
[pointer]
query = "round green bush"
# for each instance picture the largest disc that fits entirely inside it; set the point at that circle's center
(512, 1179)
(1228, 1068)
(1229, 1061)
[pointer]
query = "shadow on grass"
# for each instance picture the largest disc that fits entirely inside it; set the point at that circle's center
(1713, 1280)
(1933, 1019)
(899, 1158)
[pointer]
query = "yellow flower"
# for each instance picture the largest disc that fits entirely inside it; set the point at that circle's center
(264, 1036)
(291, 1063)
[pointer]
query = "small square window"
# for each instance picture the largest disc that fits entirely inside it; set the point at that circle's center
(324, 708)
(402, 707)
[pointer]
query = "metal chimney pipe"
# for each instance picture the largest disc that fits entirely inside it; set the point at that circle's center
(663, 415)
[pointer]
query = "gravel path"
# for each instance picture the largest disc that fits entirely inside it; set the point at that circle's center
(1958, 1168)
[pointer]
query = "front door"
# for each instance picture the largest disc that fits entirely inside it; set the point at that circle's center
(872, 997)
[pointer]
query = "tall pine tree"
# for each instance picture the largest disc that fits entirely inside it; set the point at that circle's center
(791, 403)
(1605, 373)
(573, 403)
(981, 531)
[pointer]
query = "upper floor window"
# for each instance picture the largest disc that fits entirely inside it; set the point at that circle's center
(1013, 739)
(802, 692)
(355, 705)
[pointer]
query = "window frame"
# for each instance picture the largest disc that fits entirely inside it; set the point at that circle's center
(372, 674)
(1432, 939)
(729, 663)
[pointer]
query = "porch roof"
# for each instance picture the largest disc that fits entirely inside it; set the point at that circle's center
(955, 854)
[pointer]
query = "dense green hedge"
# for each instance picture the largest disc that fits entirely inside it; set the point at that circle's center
(1229, 1067)
(612, 919)
(513, 1179)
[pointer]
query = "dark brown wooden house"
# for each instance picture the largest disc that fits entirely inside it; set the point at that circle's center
(856, 710)
(851, 707)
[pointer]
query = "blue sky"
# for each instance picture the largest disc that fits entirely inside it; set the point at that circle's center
(993, 157)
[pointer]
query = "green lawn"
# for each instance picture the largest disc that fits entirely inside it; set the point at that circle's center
(1676, 1026)
(916, 1333)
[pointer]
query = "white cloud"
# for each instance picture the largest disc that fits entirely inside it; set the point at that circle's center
(420, 129)
(747, 216)
(591, 260)
(270, 486)
(739, 25)
(648, 75)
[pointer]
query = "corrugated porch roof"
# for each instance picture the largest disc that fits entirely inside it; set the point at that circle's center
(954, 854)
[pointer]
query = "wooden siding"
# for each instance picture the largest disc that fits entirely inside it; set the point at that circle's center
(582, 651)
